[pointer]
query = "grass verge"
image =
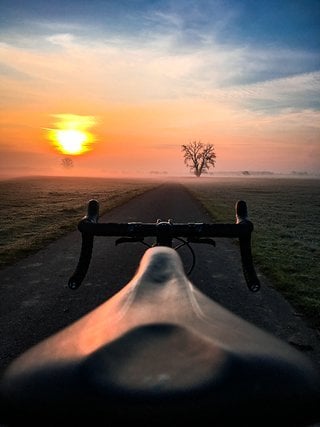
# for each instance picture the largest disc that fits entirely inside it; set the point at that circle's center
(36, 211)
(286, 239)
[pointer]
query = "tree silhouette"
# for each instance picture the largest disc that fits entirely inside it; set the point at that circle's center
(67, 163)
(198, 157)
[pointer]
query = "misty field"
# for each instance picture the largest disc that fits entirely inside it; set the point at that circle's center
(35, 211)
(285, 213)
(286, 238)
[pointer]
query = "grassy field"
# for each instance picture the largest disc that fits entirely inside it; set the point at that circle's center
(285, 213)
(286, 238)
(35, 211)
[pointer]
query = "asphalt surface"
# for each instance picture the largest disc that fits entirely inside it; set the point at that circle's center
(36, 301)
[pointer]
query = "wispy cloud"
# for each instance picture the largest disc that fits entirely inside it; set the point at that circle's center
(64, 40)
(299, 92)
(124, 70)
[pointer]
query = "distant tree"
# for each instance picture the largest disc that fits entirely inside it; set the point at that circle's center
(67, 163)
(198, 157)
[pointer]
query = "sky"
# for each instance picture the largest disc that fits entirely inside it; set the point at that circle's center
(141, 78)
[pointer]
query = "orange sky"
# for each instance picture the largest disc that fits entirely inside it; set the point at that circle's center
(150, 95)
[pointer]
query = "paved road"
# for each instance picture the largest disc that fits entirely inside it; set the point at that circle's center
(36, 302)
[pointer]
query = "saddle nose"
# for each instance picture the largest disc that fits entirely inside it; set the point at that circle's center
(160, 264)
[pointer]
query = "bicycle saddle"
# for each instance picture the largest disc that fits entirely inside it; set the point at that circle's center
(160, 350)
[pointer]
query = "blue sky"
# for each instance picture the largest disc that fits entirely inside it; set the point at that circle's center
(258, 61)
(289, 23)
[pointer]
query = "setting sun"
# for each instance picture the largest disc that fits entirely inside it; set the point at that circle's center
(71, 141)
(71, 135)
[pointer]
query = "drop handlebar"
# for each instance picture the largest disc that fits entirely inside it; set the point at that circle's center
(164, 232)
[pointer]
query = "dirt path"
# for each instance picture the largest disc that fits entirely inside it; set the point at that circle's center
(36, 302)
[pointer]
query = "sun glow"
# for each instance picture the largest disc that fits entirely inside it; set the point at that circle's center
(71, 135)
(71, 141)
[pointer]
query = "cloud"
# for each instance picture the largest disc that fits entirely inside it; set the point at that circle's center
(173, 44)
(64, 40)
(253, 87)
(299, 92)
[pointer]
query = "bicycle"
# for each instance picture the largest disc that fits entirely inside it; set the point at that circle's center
(160, 350)
(164, 233)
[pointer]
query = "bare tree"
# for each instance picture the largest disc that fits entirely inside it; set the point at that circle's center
(199, 157)
(67, 163)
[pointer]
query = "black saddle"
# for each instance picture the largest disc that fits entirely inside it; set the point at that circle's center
(161, 352)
